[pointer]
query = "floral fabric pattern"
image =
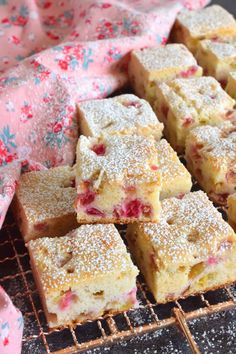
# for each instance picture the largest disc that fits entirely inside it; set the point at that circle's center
(11, 326)
(56, 53)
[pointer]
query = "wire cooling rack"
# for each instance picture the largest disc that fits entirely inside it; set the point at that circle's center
(17, 279)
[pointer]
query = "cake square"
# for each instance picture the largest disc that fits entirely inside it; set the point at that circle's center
(176, 180)
(218, 58)
(191, 250)
(212, 22)
(231, 202)
(184, 104)
(76, 273)
(211, 157)
(231, 85)
(149, 66)
(117, 179)
(43, 203)
(121, 115)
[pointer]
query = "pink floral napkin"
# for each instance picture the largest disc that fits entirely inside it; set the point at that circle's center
(11, 326)
(54, 53)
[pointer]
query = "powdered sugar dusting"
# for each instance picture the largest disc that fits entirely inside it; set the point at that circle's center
(204, 22)
(46, 194)
(170, 165)
(221, 50)
(195, 97)
(215, 333)
(119, 115)
(91, 250)
(218, 144)
(169, 56)
(190, 229)
(127, 158)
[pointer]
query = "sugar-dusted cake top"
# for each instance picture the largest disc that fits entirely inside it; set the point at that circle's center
(118, 114)
(210, 19)
(48, 193)
(218, 143)
(190, 230)
(196, 96)
(118, 159)
(222, 50)
(87, 252)
(163, 57)
(170, 165)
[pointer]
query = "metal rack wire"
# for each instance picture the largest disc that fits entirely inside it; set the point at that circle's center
(16, 277)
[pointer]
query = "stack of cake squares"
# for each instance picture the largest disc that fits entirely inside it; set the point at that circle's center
(127, 173)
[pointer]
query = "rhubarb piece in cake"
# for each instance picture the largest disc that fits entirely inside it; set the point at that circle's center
(176, 180)
(149, 66)
(43, 204)
(76, 274)
(218, 58)
(211, 157)
(184, 104)
(120, 115)
(231, 85)
(191, 250)
(232, 210)
(213, 22)
(118, 179)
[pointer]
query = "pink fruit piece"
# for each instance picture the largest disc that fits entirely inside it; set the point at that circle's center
(67, 299)
(99, 149)
(195, 151)
(230, 176)
(86, 198)
(132, 296)
(212, 260)
(41, 226)
(133, 209)
(95, 212)
(154, 167)
(135, 104)
(229, 114)
(187, 121)
(190, 72)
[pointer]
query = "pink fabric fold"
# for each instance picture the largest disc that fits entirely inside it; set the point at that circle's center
(56, 53)
(11, 326)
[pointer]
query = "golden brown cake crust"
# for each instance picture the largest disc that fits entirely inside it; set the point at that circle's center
(46, 194)
(124, 114)
(127, 158)
(85, 254)
(209, 20)
(190, 230)
(163, 57)
(181, 297)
